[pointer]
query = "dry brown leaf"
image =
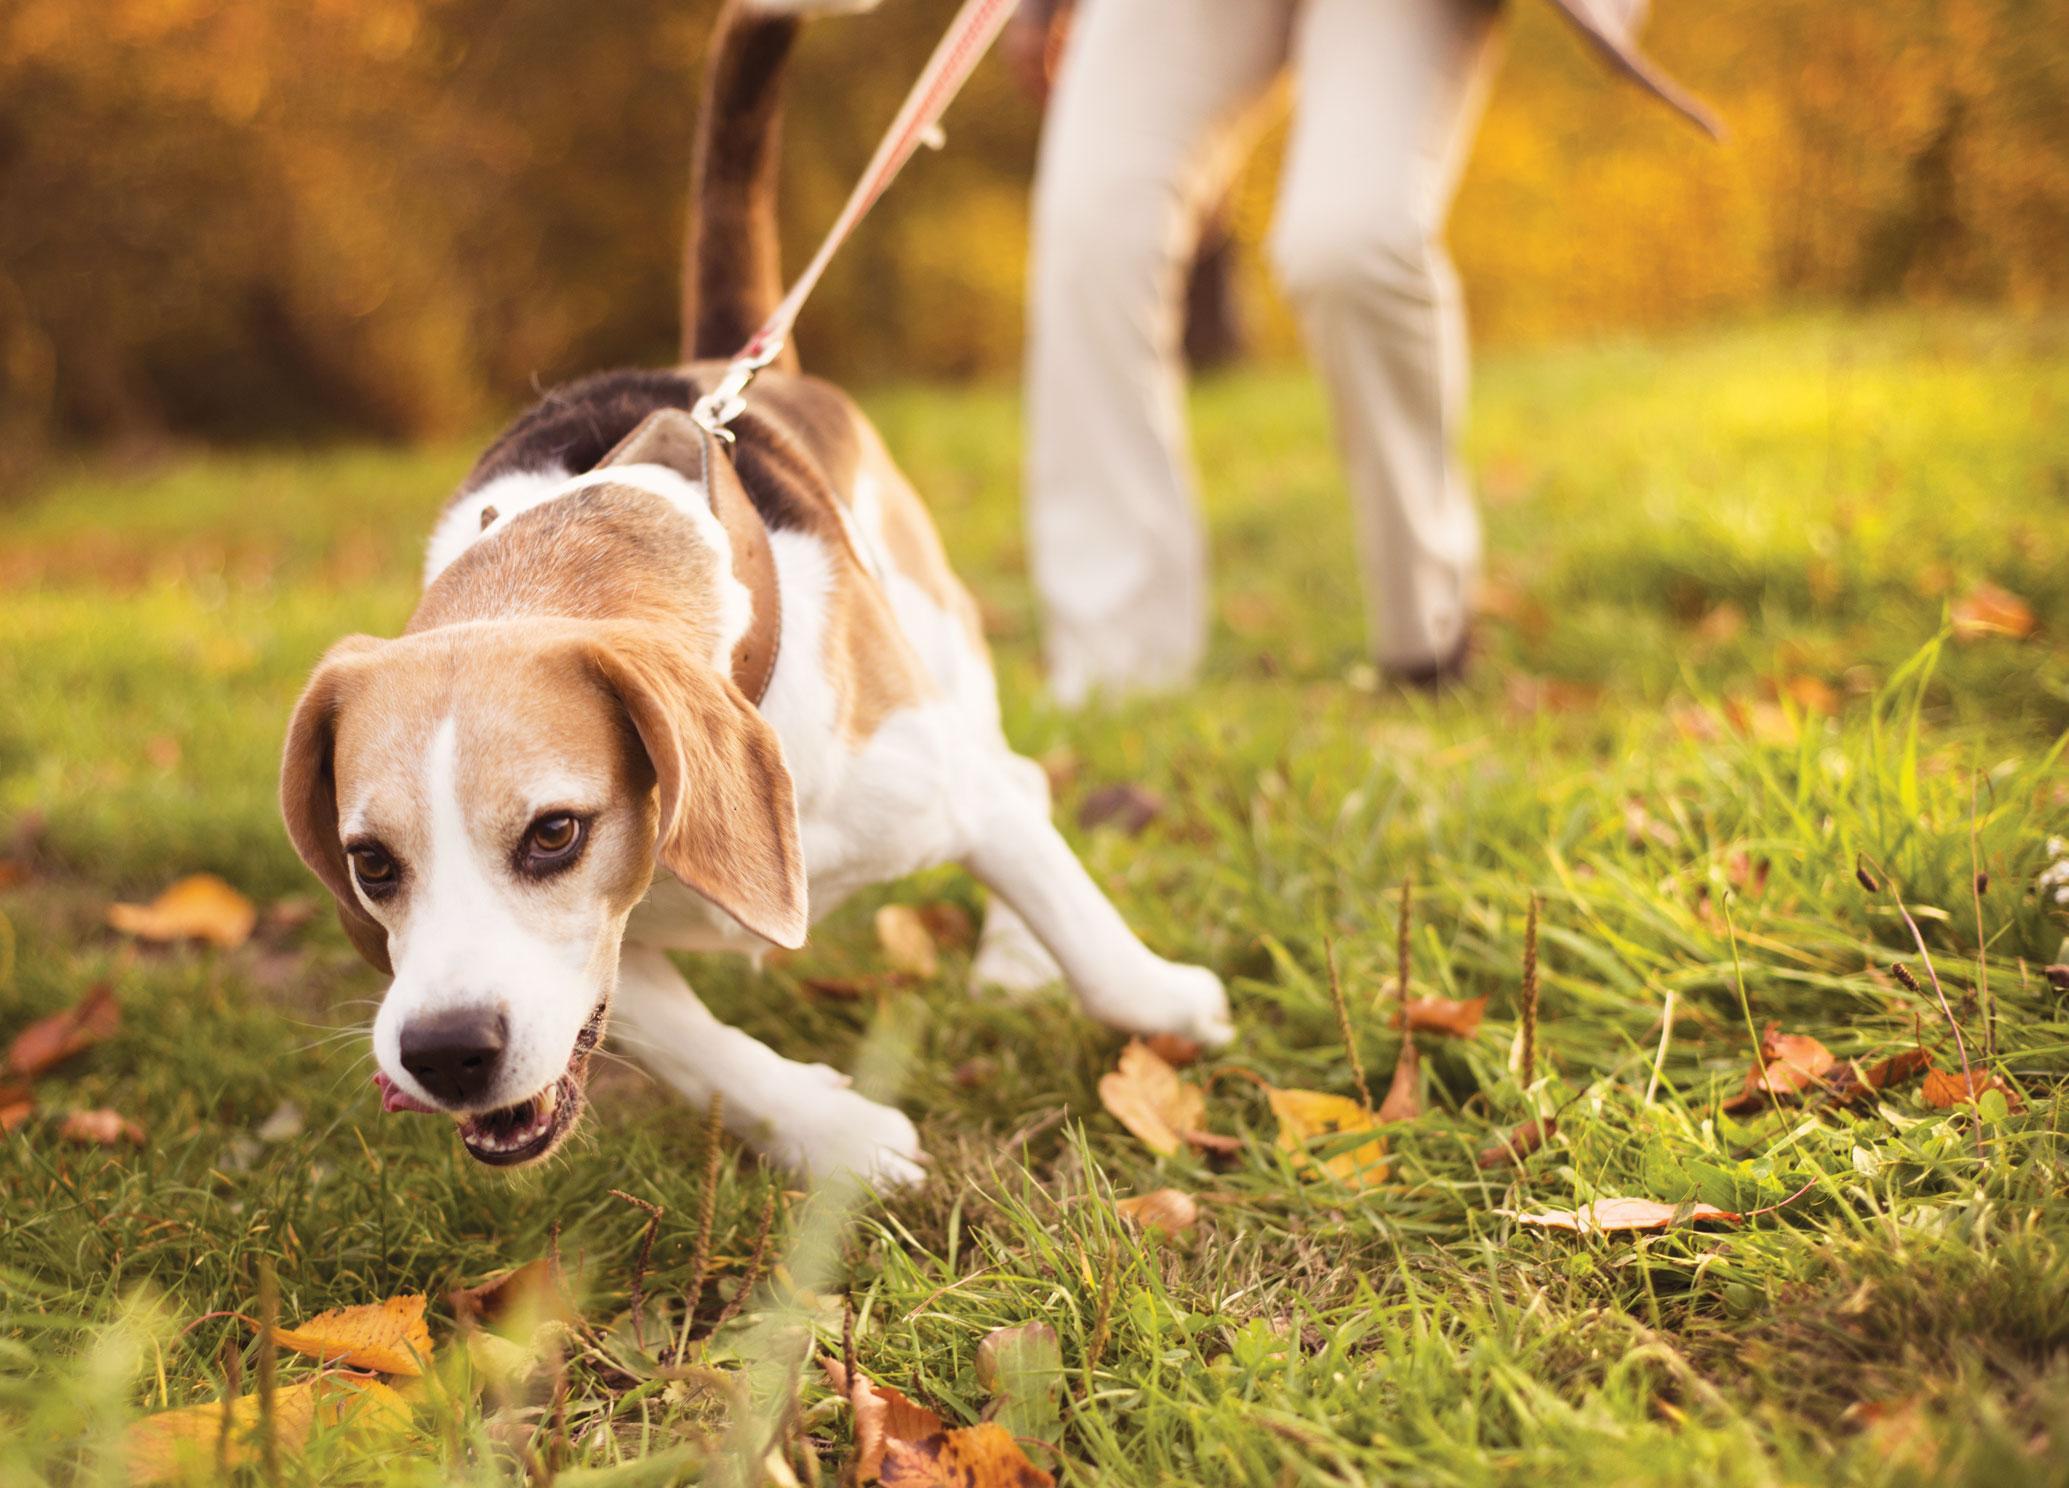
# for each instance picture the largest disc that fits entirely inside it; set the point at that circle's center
(197, 907)
(1129, 807)
(882, 1413)
(101, 1128)
(48, 1041)
(1404, 1093)
(1988, 610)
(1148, 1097)
(1850, 1083)
(905, 941)
(949, 923)
(1789, 1064)
(1521, 1141)
(1169, 1210)
(1525, 696)
(1174, 1049)
(983, 1456)
(13, 873)
(1625, 1214)
(15, 1109)
(534, 1292)
(1458, 1018)
(163, 1446)
(1945, 1089)
(1812, 695)
(389, 1337)
(1305, 1115)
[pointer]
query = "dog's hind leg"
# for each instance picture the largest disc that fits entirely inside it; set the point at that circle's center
(801, 1115)
(1020, 856)
(1010, 956)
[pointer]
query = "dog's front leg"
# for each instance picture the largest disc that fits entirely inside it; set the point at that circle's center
(804, 1116)
(1020, 856)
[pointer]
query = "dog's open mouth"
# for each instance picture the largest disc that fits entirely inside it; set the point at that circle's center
(528, 1130)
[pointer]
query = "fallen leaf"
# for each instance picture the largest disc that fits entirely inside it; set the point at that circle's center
(1404, 1093)
(1521, 1141)
(882, 1413)
(1763, 721)
(1945, 1089)
(1169, 1210)
(389, 1337)
(1625, 1214)
(1988, 610)
(1174, 1049)
(1458, 1018)
(905, 941)
(1849, 1083)
(1148, 1097)
(13, 873)
(1022, 1368)
(17, 1104)
(1812, 695)
(949, 923)
(1525, 696)
(533, 1292)
(1131, 808)
(101, 1128)
(983, 1456)
(198, 907)
(172, 1443)
(1305, 1115)
(1724, 624)
(48, 1041)
(1789, 1064)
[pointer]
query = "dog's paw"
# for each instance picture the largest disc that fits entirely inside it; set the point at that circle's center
(1011, 960)
(835, 1131)
(1169, 997)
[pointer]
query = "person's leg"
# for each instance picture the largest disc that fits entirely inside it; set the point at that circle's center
(1142, 126)
(1389, 96)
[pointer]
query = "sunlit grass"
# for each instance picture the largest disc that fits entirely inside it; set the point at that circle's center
(1687, 537)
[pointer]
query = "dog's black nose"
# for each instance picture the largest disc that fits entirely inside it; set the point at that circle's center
(454, 1055)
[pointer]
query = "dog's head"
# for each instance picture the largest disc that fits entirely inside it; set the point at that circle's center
(487, 802)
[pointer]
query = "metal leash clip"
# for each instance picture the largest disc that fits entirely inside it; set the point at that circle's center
(726, 401)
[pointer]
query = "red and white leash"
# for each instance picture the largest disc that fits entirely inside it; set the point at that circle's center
(964, 44)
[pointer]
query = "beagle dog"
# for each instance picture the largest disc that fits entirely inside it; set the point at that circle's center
(662, 694)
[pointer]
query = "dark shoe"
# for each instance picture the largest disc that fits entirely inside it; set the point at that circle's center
(1437, 676)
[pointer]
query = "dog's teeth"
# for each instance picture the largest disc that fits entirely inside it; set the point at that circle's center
(548, 1101)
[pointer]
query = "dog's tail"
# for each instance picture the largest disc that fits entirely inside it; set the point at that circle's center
(732, 272)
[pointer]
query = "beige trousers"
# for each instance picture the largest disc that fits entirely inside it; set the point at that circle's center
(1147, 121)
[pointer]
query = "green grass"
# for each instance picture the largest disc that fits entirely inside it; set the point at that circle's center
(1834, 483)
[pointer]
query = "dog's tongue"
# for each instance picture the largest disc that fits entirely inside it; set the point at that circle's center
(395, 1098)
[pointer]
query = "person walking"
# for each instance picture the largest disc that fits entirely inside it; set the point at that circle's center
(1145, 125)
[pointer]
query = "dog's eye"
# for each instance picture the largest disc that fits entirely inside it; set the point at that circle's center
(377, 872)
(552, 842)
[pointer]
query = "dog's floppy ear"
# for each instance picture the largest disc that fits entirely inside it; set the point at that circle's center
(728, 822)
(309, 792)
(667, 436)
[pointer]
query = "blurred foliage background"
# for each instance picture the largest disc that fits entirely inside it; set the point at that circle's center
(262, 219)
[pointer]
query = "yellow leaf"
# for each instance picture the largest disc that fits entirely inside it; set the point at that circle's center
(1624, 1214)
(162, 1446)
(389, 1337)
(969, 1457)
(1305, 1115)
(198, 907)
(1171, 1210)
(907, 944)
(1148, 1097)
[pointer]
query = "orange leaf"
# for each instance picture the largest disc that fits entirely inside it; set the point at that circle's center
(1147, 1096)
(16, 1106)
(1625, 1214)
(389, 1337)
(101, 1128)
(1174, 1049)
(1404, 1094)
(905, 941)
(1520, 1142)
(198, 907)
(163, 1446)
(532, 1293)
(1850, 1083)
(1460, 1019)
(882, 1413)
(1789, 1063)
(1169, 1210)
(1305, 1115)
(969, 1457)
(1945, 1089)
(1987, 610)
(58, 1037)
